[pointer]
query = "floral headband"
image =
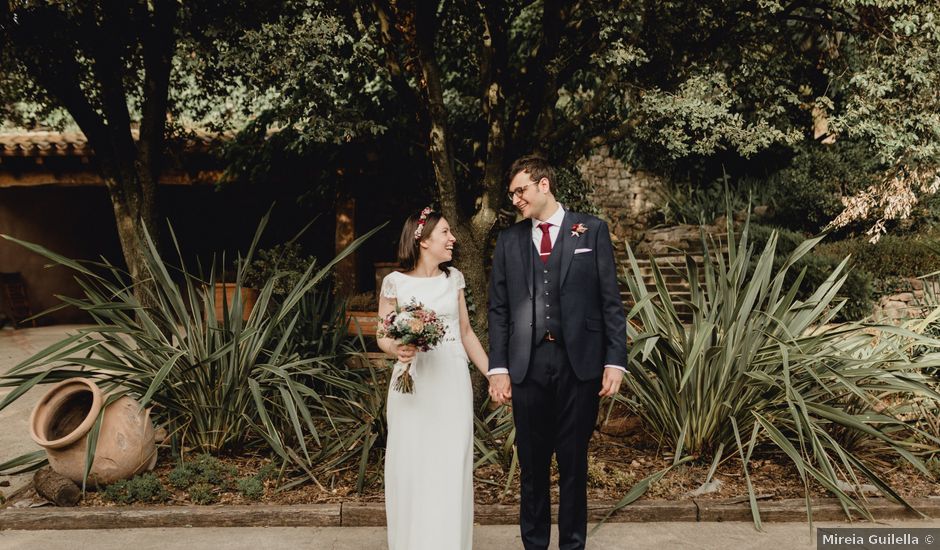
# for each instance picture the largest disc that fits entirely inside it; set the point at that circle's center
(423, 219)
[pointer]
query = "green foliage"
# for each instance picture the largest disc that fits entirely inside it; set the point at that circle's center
(183, 476)
(494, 438)
(671, 80)
(759, 366)
(891, 257)
(206, 469)
(282, 262)
(145, 488)
(203, 493)
(206, 476)
(574, 192)
(688, 204)
(933, 464)
(24, 463)
(268, 471)
(348, 407)
(251, 488)
(888, 90)
(857, 290)
(807, 194)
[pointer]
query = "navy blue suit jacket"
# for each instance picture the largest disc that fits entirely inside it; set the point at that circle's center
(592, 319)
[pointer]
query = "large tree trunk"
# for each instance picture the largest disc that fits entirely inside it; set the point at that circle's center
(133, 212)
(472, 237)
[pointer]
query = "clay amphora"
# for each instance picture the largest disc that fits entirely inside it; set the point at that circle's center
(60, 423)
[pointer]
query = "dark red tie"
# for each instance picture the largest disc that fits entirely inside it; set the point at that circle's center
(545, 249)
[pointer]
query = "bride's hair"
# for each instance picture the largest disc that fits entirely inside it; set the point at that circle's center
(408, 246)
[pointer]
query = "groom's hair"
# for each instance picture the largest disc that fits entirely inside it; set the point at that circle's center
(537, 168)
(409, 250)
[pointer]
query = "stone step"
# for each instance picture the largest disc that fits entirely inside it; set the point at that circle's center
(668, 278)
(675, 294)
(684, 292)
(661, 260)
(670, 285)
(676, 301)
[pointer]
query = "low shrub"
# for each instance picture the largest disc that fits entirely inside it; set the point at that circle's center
(145, 488)
(892, 256)
(203, 493)
(205, 469)
(284, 262)
(251, 487)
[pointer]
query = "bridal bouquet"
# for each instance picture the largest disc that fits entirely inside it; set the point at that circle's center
(416, 325)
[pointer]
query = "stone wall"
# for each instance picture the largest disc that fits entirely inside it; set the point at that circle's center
(906, 305)
(624, 196)
(682, 239)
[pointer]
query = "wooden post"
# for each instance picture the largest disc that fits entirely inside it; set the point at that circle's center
(345, 271)
(57, 488)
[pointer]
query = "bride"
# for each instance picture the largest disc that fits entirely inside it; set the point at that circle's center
(429, 455)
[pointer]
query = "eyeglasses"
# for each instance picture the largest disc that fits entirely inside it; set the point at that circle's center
(519, 191)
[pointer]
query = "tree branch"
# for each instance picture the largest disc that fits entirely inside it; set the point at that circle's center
(564, 131)
(159, 44)
(588, 143)
(391, 38)
(540, 85)
(426, 27)
(492, 85)
(107, 49)
(53, 64)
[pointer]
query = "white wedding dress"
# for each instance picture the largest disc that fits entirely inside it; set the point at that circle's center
(429, 455)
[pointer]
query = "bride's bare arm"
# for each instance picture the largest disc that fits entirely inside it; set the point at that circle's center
(471, 344)
(403, 353)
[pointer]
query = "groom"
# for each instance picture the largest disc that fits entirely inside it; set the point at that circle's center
(557, 344)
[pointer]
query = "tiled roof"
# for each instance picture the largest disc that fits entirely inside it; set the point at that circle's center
(32, 144)
(26, 143)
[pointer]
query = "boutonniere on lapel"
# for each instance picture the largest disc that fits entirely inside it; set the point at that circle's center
(578, 229)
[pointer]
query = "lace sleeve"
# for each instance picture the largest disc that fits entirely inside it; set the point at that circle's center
(388, 287)
(458, 278)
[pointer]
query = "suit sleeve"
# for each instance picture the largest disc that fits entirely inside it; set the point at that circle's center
(498, 316)
(615, 323)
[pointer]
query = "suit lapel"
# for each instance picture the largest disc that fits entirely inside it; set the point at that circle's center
(567, 245)
(525, 251)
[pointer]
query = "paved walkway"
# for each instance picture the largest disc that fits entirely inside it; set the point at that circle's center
(15, 347)
(658, 536)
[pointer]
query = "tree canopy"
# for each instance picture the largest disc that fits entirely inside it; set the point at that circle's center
(472, 85)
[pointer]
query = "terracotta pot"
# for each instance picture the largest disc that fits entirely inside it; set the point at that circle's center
(368, 322)
(249, 297)
(60, 423)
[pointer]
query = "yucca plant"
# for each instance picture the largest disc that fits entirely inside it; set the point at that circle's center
(756, 366)
(346, 405)
(494, 439)
(212, 382)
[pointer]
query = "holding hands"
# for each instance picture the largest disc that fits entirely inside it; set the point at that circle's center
(500, 389)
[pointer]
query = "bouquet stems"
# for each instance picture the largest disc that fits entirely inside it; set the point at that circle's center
(405, 383)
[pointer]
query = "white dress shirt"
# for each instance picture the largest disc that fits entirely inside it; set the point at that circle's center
(554, 221)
